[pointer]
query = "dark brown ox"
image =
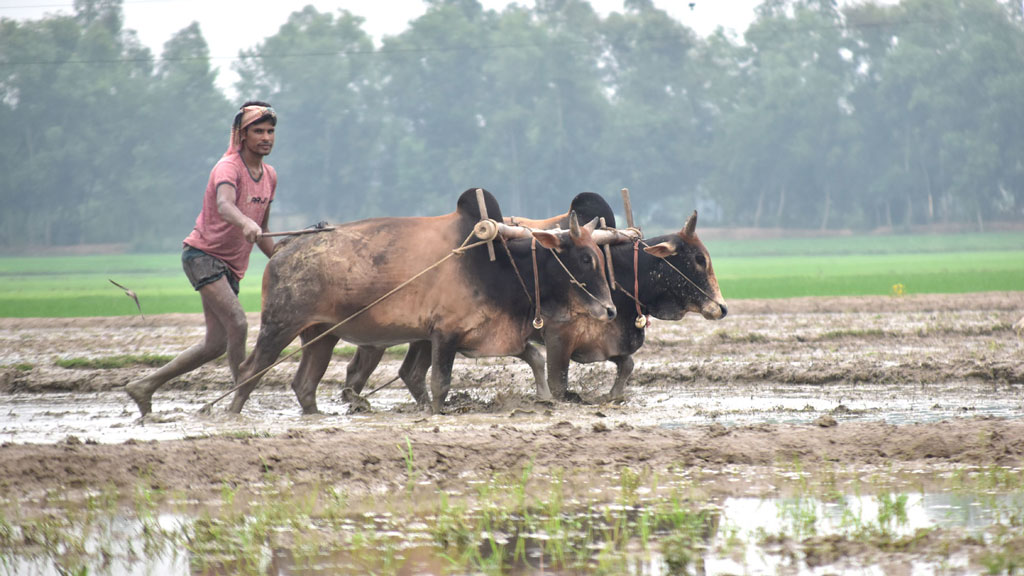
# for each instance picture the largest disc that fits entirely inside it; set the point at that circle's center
(467, 304)
(672, 277)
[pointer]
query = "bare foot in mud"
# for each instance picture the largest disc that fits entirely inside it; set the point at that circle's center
(142, 395)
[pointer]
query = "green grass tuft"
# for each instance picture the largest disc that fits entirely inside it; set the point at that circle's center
(119, 361)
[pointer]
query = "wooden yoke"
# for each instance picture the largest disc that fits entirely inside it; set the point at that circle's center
(488, 230)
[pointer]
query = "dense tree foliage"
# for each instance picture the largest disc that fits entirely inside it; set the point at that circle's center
(822, 116)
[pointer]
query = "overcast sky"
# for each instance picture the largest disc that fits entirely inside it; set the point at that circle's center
(233, 25)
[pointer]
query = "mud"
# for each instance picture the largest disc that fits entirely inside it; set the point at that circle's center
(913, 382)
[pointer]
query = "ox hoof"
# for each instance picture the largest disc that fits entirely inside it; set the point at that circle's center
(612, 399)
(573, 398)
(547, 401)
(357, 404)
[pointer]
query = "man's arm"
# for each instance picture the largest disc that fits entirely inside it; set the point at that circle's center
(266, 243)
(229, 211)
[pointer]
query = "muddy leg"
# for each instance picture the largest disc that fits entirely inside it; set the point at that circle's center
(269, 345)
(414, 371)
(442, 357)
(625, 368)
(315, 359)
(225, 331)
(532, 356)
(558, 357)
(362, 364)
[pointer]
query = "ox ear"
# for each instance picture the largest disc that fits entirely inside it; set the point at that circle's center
(691, 225)
(663, 250)
(574, 225)
(547, 239)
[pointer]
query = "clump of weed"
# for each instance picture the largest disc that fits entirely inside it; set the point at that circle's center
(749, 337)
(111, 362)
(348, 350)
(245, 434)
(851, 333)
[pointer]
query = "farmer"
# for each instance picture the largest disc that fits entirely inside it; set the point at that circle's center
(215, 256)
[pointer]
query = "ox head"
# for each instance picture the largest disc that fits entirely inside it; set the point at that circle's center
(686, 280)
(578, 262)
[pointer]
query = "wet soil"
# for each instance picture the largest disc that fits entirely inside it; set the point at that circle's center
(915, 382)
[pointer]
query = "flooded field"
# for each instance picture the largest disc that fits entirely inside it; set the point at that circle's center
(811, 436)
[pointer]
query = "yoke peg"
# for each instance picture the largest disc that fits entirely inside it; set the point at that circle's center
(483, 216)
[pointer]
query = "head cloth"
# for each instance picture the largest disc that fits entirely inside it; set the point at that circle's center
(247, 116)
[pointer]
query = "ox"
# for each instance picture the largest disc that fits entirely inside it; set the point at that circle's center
(671, 277)
(467, 304)
(667, 278)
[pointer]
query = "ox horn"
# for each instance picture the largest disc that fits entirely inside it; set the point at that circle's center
(691, 225)
(574, 225)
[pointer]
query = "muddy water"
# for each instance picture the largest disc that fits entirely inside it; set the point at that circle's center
(110, 417)
(893, 360)
(928, 387)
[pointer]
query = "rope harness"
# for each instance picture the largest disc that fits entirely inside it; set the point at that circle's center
(685, 277)
(538, 322)
(643, 320)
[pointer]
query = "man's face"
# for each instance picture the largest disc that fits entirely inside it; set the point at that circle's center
(259, 138)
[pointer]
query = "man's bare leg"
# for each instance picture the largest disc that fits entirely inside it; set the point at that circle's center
(225, 331)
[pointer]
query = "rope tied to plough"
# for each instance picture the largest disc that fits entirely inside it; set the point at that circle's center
(465, 246)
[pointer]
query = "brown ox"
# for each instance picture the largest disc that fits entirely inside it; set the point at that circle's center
(467, 304)
(673, 276)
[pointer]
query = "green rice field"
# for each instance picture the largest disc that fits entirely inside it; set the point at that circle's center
(70, 286)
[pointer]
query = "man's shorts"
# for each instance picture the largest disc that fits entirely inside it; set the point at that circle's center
(203, 269)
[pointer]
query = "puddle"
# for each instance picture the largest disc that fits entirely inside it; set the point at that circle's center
(740, 535)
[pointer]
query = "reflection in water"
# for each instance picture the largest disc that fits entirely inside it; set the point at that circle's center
(740, 535)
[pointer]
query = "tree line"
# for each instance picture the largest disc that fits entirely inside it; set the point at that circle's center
(820, 116)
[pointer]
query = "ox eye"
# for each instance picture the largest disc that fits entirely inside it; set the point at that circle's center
(587, 260)
(701, 261)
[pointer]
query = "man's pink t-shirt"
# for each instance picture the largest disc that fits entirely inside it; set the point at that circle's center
(214, 235)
